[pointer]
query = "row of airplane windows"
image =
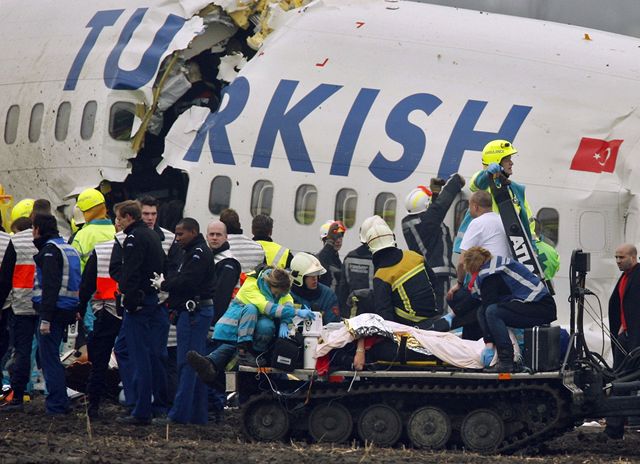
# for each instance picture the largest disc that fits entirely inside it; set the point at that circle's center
(346, 201)
(120, 121)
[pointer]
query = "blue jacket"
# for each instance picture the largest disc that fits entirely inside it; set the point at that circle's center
(323, 300)
(523, 285)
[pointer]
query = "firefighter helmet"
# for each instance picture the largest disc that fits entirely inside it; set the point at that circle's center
(380, 236)
(368, 224)
(324, 228)
(494, 151)
(302, 265)
(418, 199)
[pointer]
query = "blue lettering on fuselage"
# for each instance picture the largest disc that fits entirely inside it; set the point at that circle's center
(277, 120)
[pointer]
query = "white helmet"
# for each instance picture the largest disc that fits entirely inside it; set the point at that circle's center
(367, 224)
(302, 265)
(418, 199)
(380, 236)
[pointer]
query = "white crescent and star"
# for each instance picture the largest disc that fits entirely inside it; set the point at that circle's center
(598, 156)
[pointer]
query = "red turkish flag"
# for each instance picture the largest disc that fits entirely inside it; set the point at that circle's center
(596, 155)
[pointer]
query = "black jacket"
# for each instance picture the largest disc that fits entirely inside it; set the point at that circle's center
(631, 313)
(142, 255)
(88, 283)
(428, 229)
(6, 273)
(226, 275)
(49, 260)
(357, 274)
(194, 278)
(330, 260)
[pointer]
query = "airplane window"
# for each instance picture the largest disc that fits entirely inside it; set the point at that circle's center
(385, 207)
(121, 120)
(219, 194)
(11, 125)
(459, 211)
(547, 225)
(592, 231)
(35, 123)
(306, 200)
(346, 202)
(88, 120)
(62, 121)
(261, 198)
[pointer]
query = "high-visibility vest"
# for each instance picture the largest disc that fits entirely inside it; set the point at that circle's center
(24, 273)
(106, 287)
(96, 231)
(69, 290)
(275, 255)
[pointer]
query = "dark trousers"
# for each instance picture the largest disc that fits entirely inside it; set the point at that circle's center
(23, 329)
(126, 368)
(146, 333)
(172, 372)
(190, 404)
(615, 424)
(497, 317)
(57, 401)
(441, 287)
(100, 344)
(5, 334)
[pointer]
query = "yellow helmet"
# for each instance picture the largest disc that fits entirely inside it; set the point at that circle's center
(22, 209)
(494, 151)
(89, 198)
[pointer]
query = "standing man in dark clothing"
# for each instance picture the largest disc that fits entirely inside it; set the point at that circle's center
(356, 276)
(55, 298)
(99, 288)
(191, 295)
(624, 318)
(425, 232)
(227, 268)
(331, 234)
(146, 325)
(275, 255)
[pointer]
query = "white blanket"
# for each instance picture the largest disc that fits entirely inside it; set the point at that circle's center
(444, 345)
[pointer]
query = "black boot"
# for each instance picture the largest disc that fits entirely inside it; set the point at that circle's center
(505, 360)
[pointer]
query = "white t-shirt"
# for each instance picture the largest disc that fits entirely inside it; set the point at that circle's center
(487, 232)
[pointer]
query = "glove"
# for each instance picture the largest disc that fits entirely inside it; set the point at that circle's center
(156, 280)
(436, 184)
(283, 331)
(487, 356)
(449, 318)
(336, 231)
(307, 314)
(494, 168)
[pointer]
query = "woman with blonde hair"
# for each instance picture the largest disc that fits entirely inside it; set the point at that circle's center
(511, 295)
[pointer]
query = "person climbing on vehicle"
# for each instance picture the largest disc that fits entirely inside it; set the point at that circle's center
(249, 324)
(511, 295)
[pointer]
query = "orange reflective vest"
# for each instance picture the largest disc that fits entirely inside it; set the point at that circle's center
(24, 273)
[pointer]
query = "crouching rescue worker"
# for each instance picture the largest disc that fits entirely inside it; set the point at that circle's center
(308, 292)
(191, 296)
(249, 324)
(402, 283)
(55, 298)
(512, 296)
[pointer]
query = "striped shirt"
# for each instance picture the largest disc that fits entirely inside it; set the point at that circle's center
(248, 253)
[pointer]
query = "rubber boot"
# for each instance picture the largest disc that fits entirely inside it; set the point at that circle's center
(505, 360)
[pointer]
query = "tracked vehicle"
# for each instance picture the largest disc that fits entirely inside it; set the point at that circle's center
(442, 407)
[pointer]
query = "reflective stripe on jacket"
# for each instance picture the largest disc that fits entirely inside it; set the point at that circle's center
(68, 297)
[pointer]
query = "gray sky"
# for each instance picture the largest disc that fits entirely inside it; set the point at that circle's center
(619, 16)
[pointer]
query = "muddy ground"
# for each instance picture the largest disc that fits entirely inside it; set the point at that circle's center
(33, 437)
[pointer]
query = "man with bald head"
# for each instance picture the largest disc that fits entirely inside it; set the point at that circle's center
(624, 318)
(227, 268)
